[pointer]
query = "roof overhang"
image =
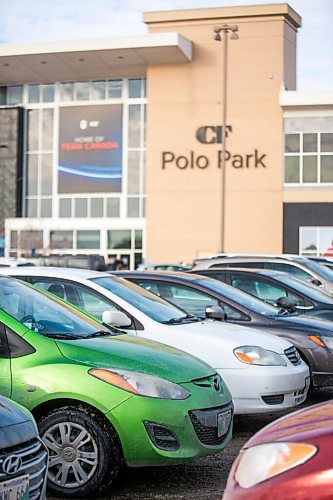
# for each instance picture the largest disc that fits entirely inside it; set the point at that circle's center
(302, 99)
(80, 60)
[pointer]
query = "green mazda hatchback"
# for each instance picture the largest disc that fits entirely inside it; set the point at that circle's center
(102, 398)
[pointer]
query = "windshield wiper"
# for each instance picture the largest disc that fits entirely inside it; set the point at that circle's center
(61, 336)
(181, 319)
(104, 333)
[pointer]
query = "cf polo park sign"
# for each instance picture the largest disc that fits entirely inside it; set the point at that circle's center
(212, 135)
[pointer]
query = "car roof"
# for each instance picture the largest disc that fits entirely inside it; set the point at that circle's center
(188, 276)
(214, 262)
(250, 270)
(246, 254)
(65, 272)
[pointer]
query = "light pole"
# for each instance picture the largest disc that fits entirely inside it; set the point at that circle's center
(221, 34)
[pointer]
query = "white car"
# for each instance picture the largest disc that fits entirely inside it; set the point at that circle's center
(264, 374)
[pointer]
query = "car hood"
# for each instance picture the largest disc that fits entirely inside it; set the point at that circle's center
(12, 414)
(300, 425)
(307, 324)
(236, 335)
(128, 352)
(215, 341)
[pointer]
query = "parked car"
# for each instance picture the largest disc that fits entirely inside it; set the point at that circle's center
(300, 267)
(163, 266)
(263, 373)
(323, 261)
(102, 398)
(291, 458)
(23, 455)
(11, 262)
(194, 293)
(270, 286)
(80, 261)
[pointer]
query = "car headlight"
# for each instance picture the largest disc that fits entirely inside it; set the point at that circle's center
(264, 461)
(322, 341)
(255, 355)
(140, 383)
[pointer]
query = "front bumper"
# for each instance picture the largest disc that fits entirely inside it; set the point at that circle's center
(196, 438)
(266, 389)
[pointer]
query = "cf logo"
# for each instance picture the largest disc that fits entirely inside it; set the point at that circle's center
(12, 464)
(211, 134)
(216, 384)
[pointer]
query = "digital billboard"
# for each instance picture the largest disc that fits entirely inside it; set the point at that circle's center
(90, 149)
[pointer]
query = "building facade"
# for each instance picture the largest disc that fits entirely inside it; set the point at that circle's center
(116, 145)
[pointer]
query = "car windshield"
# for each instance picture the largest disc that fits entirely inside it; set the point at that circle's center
(319, 269)
(308, 289)
(45, 315)
(147, 302)
(237, 296)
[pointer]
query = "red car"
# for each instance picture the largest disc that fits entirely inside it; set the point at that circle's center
(289, 459)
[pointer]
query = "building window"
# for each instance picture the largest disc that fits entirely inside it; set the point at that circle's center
(13, 240)
(46, 207)
(316, 241)
(98, 90)
(65, 207)
(115, 88)
(15, 95)
(81, 207)
(33, 93)
(136, 88)
(96, 207)
(87, 240)
(30, 242)
(82, 91)
(138, 239)
(112, 207)
(47, 92)
(119, 239)
(67, 91)
(309, 158)
(61, 240)
(133, 207)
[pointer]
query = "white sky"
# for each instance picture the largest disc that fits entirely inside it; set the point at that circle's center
(46, 20)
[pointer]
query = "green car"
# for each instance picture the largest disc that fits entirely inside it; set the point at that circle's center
(102, 398)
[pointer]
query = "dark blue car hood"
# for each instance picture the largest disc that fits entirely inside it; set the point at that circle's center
(307, 323)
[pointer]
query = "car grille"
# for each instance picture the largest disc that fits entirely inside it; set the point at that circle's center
(205, 424)
(293, 355)
(34, 463)
(300, 395)
(276, 399)
(212, 382)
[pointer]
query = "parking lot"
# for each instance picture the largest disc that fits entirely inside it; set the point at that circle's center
(204, 479)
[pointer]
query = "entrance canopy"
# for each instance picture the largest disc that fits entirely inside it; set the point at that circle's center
(75, 60)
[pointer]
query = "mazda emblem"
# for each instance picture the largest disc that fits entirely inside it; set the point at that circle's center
(12, 464)
(217, 384)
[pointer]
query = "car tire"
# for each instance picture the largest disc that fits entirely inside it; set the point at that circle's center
(84, 452)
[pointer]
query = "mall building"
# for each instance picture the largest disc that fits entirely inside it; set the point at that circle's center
(186, 141)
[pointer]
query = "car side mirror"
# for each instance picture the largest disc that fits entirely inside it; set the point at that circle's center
(287, 304)
(215, 312)
(116, 318)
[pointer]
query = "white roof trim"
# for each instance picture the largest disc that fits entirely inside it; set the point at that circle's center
(304, 98)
